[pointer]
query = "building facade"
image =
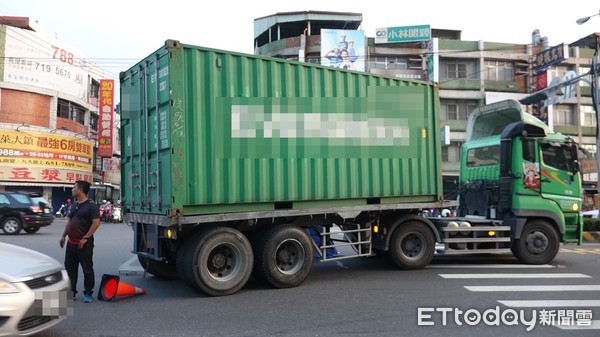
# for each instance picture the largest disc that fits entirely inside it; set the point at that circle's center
(50, 122)
(468, 73)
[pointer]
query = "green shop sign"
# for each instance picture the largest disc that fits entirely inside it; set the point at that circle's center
(403, 34)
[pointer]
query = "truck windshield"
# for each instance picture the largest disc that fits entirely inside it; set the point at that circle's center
(483, 156)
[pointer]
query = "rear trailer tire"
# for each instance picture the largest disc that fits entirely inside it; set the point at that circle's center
(160, 269)
(412, 246)
(283, 257)
(539, 243)
(217, 261)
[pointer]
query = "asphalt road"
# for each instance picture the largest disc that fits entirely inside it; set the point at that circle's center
(356, 297)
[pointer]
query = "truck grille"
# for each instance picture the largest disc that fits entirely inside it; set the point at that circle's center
(44, 281)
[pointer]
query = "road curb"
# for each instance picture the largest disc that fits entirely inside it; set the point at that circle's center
(591, 236)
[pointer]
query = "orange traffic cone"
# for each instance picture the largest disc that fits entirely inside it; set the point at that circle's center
(112, 287)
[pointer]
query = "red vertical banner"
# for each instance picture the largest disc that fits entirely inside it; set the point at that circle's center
(105, 127)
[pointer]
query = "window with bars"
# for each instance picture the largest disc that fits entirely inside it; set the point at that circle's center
(564, 115)
(499, 71)
(388, 63)
(94, 121)
(451, 153)
(557, 71)
(94, 88)
(582, 71)
(456, 70)
(71, 111)
(588, 116)
(456, 110)
(459, 69)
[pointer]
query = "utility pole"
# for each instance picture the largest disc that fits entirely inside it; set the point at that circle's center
(595, 72)
(595, 86)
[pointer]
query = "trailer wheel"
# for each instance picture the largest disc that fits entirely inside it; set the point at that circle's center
(160, 269)
(539, 243)
(412, 246)
(284, 256)
(217, 261)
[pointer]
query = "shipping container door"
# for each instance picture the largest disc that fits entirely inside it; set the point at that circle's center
(145, 137)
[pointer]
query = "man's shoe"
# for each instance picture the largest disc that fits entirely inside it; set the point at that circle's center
(88, 298)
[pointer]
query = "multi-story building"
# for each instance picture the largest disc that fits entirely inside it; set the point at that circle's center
(51, 122)
(468, 73)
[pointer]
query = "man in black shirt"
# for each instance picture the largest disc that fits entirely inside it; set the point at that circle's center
(84, 220)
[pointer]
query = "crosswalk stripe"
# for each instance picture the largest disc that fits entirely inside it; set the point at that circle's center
(486, 266)
(514, 276)
(587, 287)
(551, 303)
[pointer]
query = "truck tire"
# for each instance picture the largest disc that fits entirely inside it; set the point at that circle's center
(217, 261)
(283, 256)
(412, 246)
(160, 269)
(539, 243)
(12, 226)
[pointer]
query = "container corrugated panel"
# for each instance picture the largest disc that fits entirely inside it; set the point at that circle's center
(210, 131)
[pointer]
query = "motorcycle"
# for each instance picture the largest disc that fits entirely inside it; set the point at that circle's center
(62, 211)
(106, 210)
(116, 215)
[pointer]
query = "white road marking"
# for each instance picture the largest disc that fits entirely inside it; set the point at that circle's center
(586, 287)
(490, 266)
(514, 276)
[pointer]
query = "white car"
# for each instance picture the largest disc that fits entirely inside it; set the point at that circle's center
(593, 214)
(35, 292)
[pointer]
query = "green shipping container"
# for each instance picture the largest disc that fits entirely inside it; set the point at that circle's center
(206, 131)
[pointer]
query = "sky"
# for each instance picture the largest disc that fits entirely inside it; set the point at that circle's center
(117, 34)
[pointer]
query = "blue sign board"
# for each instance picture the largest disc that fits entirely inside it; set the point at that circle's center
(550, 56)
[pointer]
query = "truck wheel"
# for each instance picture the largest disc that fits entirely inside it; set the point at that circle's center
(160, 269)
(539, 243)
(412, 246)
(284, 256)
(217, 261)
(11, 226)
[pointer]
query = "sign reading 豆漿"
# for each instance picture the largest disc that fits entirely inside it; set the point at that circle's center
(403, 34)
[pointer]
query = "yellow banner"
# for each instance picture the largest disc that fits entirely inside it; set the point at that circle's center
(26, 148)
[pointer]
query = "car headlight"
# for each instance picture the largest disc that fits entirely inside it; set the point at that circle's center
(7, 288)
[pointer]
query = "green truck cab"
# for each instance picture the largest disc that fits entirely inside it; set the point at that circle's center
(516, 170)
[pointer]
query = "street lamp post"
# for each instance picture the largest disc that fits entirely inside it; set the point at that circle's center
(585, 19)
(595, 86)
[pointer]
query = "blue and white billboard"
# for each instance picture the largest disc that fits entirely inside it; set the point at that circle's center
(343, 49)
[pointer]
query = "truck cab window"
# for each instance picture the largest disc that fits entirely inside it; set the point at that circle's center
(557, 156)
(483, 156)
(529, 150)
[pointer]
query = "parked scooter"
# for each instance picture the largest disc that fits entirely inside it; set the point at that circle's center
(62, 211)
